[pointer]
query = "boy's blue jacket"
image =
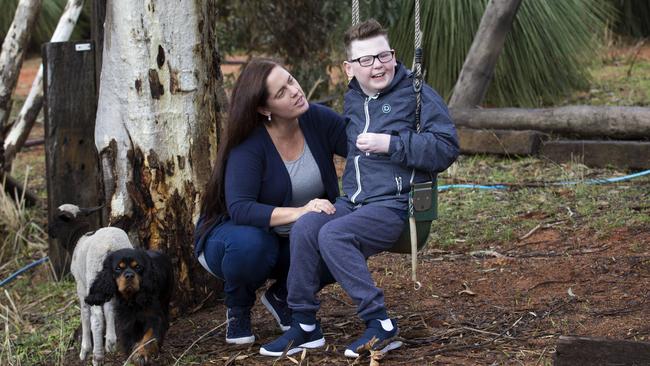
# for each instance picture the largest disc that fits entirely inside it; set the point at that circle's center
(385, 178)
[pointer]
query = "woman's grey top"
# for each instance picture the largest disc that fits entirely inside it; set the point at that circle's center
(306, 183)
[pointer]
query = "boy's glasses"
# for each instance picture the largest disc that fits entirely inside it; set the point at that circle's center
(369, 60)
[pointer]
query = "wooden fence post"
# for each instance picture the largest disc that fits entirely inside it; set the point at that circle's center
(70, 153)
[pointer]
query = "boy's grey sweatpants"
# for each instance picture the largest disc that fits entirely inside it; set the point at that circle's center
(344, 240)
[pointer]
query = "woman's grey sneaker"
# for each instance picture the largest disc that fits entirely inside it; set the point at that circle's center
(294, 340)
(385, 339)
(239, 330)
(278, 308)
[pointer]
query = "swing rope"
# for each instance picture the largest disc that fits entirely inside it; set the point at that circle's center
(417, 87)
(355, 12)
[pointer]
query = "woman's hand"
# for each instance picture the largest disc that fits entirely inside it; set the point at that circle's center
(287, 215)
(319, 205)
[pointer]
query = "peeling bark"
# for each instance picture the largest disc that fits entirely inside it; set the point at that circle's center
(157, 144)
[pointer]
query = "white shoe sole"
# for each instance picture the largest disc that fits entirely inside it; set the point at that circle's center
(309, 345)
(271, 310)
(391, 346)
(241, 340)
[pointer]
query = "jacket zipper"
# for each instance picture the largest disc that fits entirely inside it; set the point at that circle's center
(358, 176)
(356, 158)
(398, 184)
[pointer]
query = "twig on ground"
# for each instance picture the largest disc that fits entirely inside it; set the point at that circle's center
(627, 309)
(197, 340)
(486, 253)
(531, 232)
(547, 283)
(474, 346)
(541, 356)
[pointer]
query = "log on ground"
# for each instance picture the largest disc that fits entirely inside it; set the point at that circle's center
(577, 351)
(599, 154)
(502, 142)
(627, 123)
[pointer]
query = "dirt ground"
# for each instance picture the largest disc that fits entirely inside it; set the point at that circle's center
(505, 307)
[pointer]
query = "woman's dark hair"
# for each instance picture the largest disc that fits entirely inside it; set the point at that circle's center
(249, 93)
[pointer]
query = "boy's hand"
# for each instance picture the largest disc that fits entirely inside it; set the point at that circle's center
(377, 143)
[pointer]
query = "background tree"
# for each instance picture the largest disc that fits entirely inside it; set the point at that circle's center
(633, 19)
(160, 100)
(46, 22)
(545, 57)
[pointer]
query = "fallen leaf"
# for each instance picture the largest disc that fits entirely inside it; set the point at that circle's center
(570, 292)
(467, 290)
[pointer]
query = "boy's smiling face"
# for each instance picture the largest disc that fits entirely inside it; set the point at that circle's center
(376, 77)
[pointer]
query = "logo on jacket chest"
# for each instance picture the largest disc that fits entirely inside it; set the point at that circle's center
(386, 108)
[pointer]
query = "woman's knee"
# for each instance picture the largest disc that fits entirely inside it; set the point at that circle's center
(250, 255)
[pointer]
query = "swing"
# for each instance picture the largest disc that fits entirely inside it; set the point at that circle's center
(423, 198)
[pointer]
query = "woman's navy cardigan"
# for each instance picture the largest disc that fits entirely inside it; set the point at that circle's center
(256, 179)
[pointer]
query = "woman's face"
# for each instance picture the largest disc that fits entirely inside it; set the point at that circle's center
(286, 98)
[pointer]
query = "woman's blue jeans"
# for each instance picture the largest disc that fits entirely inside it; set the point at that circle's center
(244, 257)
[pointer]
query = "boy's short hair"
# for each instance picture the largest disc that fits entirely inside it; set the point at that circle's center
(363, 30)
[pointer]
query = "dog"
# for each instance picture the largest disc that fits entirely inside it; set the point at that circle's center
(89, 249)
(140, 281)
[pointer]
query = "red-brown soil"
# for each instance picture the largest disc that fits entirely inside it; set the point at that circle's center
(512, 311)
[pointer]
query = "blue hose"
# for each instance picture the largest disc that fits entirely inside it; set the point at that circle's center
(18, 272)
(440, 188)
(567, 183)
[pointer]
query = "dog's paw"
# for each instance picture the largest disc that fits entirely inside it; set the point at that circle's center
(145, 353)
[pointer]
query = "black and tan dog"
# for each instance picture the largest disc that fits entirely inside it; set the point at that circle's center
(141, 282)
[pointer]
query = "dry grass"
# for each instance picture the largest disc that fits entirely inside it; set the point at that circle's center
(15, 220)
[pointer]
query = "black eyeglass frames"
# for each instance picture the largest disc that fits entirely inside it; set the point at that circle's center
(369, 60)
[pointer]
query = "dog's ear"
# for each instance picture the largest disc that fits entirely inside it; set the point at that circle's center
(149, 286)
(103, 287)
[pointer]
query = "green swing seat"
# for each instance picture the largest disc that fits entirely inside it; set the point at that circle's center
(424, 201)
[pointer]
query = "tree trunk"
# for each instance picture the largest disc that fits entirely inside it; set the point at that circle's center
(575, 121)
(159, 105)
(25, 120)
(478, 69)
(11, 59)
(13, 52)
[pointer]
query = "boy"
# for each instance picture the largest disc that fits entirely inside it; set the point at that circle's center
(385, 154)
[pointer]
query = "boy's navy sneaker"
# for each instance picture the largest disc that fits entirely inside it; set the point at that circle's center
(293, 341)
(385, 339)
(278, 308)
(239, 330)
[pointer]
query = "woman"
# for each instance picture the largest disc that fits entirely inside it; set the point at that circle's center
(274, 165)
